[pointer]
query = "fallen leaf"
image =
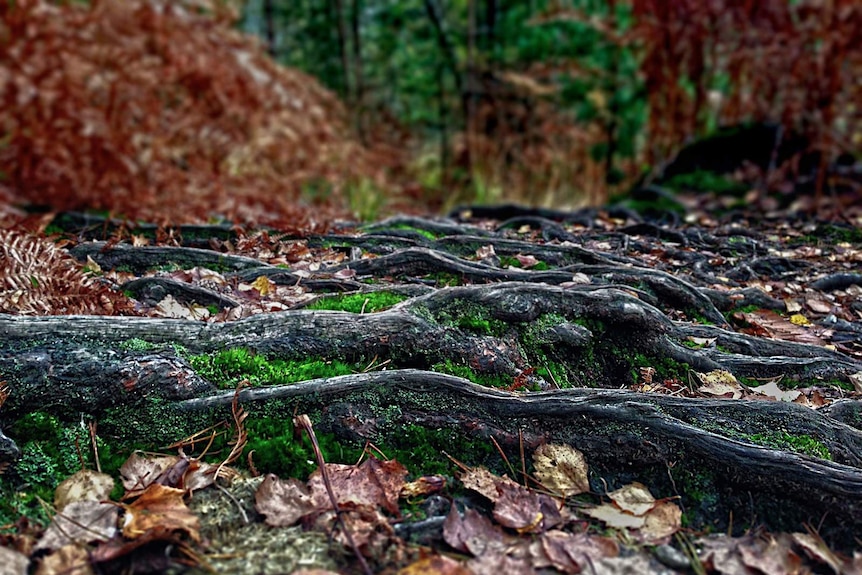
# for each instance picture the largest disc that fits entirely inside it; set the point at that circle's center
(425, 485)
(662, 521)
(161, 508)
(770, 556)
(572, 552)
(80, 523)
(613, 516)
(634, 498)
(263, 285)
(472, 533)
(434, 565)
(527, 261)
(561, 469)
(771, 389)
(485, 252)
(799, 319)
(69, 560)
(83, 485)
(283, 502)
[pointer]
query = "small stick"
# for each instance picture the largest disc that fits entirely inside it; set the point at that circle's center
(304, 422)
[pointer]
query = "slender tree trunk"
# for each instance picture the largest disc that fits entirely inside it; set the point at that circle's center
(341, 28)
(269, 26)
(435, 15)
(358, 82)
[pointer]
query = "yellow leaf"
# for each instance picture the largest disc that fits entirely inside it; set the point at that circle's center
(263, 285)
(799, 319)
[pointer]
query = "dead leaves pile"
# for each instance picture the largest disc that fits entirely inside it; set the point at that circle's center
(510, 528)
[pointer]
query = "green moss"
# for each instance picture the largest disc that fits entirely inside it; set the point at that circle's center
(51, 451)
(228, 367)
(138, 344)
(839, 233)
(446, 279)
(510, 261)
(423, 450)
(539, 349)
(804, 444)
(428, 235)
(699, 495)
(358, 303)
(276, 449)
(451, 368)
(472, 317)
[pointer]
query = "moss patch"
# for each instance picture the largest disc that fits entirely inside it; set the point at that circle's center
(804, 444)
(451, 368)
(358, 303)
(228, 367)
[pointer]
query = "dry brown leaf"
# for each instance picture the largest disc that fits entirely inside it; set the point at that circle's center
(473, 533)
(162, 509)
(613, 516)
(561, 469)
(662, 521)
(283, 502)
(435, 565)
(80, 523)
(83, 485)
(633, 498)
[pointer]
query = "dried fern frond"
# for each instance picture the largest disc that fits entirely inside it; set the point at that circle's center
(39, 278)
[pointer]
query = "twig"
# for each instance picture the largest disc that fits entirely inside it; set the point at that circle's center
(304, 422)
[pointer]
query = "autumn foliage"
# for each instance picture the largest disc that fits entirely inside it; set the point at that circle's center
(160, 111)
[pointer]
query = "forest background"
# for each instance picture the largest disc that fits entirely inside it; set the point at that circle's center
(150, 110)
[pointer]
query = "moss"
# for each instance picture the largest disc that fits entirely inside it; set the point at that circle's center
(275, 449)
(451, 368)
(472, 317)
(510, 261)
(804, 444)
(425, 233)
(423, 450)
(52, 450)
(228, 367)
(539, 350)
(358, 303)
(705, 181)
(699, 495)
(839, 233)
(445, 279)
(138, 344)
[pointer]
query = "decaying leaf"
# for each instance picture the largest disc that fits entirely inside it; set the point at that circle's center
(772, 390)
(163, 509)
(283, 502)
(83, 485)
(561, 469)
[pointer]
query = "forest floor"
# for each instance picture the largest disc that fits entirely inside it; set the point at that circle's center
(503, 390)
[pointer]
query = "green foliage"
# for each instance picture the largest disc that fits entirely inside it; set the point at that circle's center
(805, 444)
(364, 199)
(228, 367)
(358, 303)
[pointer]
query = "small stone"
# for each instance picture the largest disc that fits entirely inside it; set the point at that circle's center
(672, 557)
